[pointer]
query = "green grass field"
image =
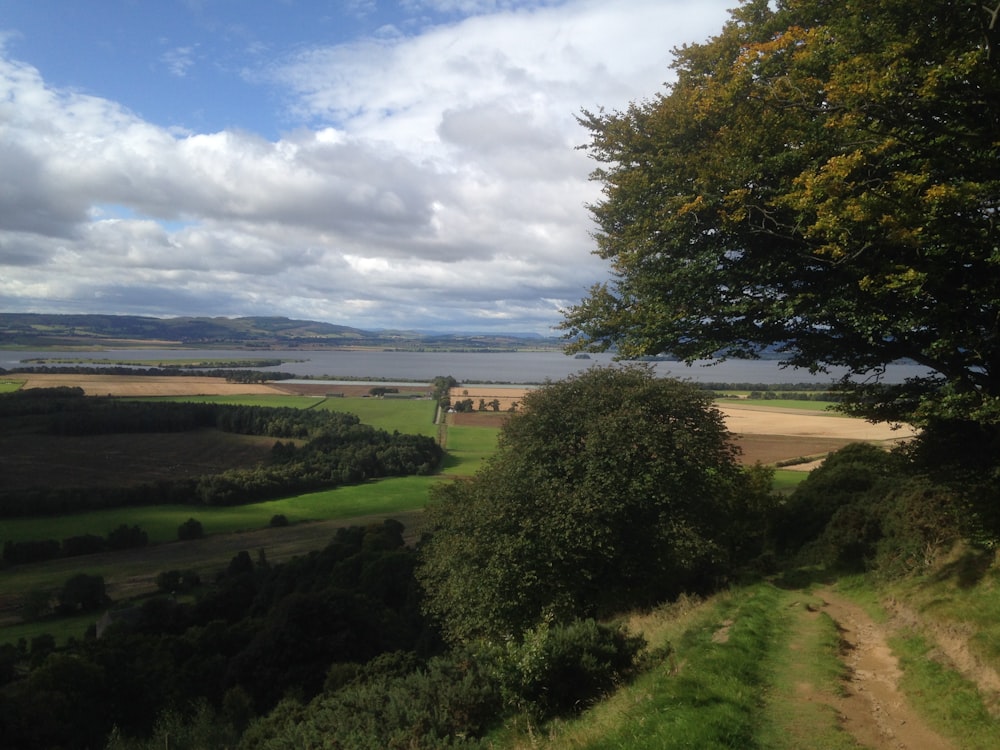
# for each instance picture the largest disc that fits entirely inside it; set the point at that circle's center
(409, 416)
(783, 403)
(468, 447)
(9, 386)
(161, 521)
(786, 480)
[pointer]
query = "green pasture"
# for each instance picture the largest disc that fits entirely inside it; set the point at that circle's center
(269, 400)
(468, 447)
(409, 416)
(783, 403)
(786, 480)
(60, 628)
(161, 521)
(9, 386)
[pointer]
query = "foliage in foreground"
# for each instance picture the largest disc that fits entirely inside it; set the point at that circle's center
(258, 635)
(455, 699)
(612, 489)
(821, 179)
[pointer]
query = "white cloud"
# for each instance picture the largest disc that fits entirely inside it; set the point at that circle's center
(178, 60)
(429, 180)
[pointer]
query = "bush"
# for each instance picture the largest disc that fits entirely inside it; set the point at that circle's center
(190, 529)
(557, 671)
(82, 593)
(921, 520)
(127, 537)
(857, 473)
(278, 520)
(171, 581)
(391, 703)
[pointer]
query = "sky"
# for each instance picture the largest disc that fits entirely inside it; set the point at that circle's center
(411, 165)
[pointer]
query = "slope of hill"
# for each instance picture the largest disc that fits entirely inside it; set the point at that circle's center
(38, 330)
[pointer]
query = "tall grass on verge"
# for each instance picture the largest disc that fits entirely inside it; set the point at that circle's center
(948, 701)
(711, 691)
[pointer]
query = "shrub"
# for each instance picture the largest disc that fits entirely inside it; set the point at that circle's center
(190, 529)
(171, 581)
(856, 473)
(920, 521)
(82, 593)
(127, 537)
(559, 670)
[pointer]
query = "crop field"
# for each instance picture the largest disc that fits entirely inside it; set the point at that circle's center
(765, 431)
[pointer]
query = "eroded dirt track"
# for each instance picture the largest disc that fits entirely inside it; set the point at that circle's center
(873, 709)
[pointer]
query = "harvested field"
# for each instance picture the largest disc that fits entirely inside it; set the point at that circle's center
(197, 385)
(773, 434)
(507, 396)
(145, 385)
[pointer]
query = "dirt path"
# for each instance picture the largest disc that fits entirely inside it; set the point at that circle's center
(873, 710)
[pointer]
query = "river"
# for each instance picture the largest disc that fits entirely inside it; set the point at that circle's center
(466, 367)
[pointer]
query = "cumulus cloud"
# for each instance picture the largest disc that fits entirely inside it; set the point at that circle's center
(427, 179)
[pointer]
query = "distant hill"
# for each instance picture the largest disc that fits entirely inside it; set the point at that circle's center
(40, 330)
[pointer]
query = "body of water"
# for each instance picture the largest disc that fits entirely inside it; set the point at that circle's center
(466, 367)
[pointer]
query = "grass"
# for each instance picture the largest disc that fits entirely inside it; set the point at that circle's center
(270, 400)
(468, 447)
(786, 480)
(161, 521)
(409, 416)
(60, 628)
(806, 667)
(9, 386)
(782, 403)
(710, 693)
(949, 702)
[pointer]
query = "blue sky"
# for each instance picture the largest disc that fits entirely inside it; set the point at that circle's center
(408, 164)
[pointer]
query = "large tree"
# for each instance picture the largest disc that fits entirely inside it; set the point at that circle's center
(823, 178)
(611, 489)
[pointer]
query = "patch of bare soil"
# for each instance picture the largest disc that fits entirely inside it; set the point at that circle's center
(478, 419)
(873, 709)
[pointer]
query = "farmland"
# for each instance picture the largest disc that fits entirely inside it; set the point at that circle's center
(766, 433)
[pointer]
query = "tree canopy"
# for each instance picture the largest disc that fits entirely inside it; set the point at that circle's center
(611, 489)
(821, 178)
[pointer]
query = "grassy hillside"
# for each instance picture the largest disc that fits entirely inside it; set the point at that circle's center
(819, 663)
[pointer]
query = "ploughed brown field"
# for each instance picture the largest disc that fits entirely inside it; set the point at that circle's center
(120, 460)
